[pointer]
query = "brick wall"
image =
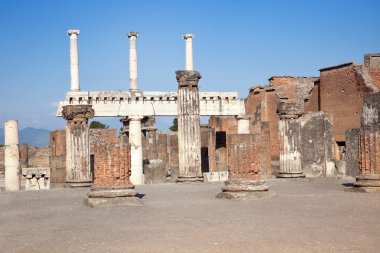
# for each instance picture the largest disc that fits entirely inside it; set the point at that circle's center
(341, 96)
(243, 157)
(220, 127)
(112, 163)
(58, 143)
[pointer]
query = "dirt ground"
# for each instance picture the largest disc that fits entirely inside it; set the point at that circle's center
(305, 215)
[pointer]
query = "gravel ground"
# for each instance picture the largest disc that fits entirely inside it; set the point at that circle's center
(305, 215)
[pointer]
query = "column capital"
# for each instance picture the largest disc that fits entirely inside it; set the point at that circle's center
(71, 32)
(185, 76)
(133, 34)
(77, 114)
(188, 36)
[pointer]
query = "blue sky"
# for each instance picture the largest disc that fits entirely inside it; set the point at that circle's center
(238, 44)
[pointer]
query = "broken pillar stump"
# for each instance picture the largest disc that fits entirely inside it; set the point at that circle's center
(244, 169)
(112, 170)
(369, 145)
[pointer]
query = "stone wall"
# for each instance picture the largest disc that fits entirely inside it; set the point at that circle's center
(57, 161)
(38, 157)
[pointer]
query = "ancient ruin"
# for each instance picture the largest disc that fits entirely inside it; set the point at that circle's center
(291, 127)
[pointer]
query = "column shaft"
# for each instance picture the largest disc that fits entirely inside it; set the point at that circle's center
(189, 51)
(137, 176)
(11, 156)
(133, 61)
(78, 144)
(189, 135)
(74, 60)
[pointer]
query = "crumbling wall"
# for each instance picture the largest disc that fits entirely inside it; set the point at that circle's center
(220, 127)
(57, 160)
(38, 157)
(341, 97)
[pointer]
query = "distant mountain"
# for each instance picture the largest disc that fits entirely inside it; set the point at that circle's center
(31, 136)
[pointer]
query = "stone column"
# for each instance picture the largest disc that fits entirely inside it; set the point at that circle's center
(369, 144)
(189, 51)
(290, 138)
(189, 134)
(137, 176)
(74, 60)
(11, 156)
(243, 124)
(78, 144)
(133, 61)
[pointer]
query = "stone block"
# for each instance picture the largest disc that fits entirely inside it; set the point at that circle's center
(36, 178)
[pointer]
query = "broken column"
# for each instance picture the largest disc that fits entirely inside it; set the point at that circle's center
(189, 133)
(77, 144)
(290, 140)
(133, 61)
(74, 60)
(11, 156)
(243, 168)
(112, 171)
(369, 144)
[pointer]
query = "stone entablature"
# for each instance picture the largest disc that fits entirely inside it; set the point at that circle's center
(121, 104)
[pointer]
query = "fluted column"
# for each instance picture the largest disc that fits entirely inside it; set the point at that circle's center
(74, 60)
(78, 144)
(189, 134)
(11, 156)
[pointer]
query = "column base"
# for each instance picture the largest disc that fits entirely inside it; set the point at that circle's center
(190, 179)
(112, 195)
(240, 189)
(74, 184)
(368, 181)
(290, 175)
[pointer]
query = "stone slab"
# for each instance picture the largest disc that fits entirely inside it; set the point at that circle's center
(113, 202)
(244, 195)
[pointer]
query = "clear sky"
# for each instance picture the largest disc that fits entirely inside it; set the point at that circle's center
(238, 44)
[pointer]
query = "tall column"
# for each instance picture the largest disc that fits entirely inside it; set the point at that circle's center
(11, 156)
(133, 61)
(243, 124)
(189, 51)
(189, 133)
(137, 176)
(74, 60)
(78, 171)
